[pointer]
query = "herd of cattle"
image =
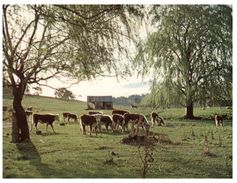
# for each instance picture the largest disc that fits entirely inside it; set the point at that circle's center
(119, 119)
(95, 119)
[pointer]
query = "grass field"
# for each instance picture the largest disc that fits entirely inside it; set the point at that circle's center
(69, 154)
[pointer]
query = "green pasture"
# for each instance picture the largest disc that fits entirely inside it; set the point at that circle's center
(70, 154)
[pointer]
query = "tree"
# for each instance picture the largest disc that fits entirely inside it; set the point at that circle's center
(191, 46)
(164, 95)
(41, 42)
(63, 93)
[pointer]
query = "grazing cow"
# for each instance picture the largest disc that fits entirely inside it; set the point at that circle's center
(133, 106)
(156, 119)
(160, 121)
(4, 108)
(122, 112)
(89, 120)
(219, 120)
(68, 116)
(29, 115)
(107, 121)
(136, 119)
(94, 112)
(72, 116)
(118, 120)
(65, 115)
(45, 118)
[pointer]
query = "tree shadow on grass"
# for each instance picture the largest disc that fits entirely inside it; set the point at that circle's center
(29, 152)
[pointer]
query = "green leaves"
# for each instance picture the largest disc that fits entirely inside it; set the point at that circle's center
(188, 45)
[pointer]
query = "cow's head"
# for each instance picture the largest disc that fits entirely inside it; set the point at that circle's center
(145, 122)
(57, 117)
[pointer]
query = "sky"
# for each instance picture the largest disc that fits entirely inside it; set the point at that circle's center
(102, 86)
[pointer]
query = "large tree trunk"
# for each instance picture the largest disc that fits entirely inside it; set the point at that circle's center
(21, 119)
(189, 104)
(189, 111)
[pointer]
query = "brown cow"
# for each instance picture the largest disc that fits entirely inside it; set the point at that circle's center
(72, 116)
(29, 116)
(45, 118)
(136, 119)
(107, 121)
(118, 120)
(219, 120)
(122, 112)
(133, 106)
(65, 115)
(68, 116)
(4, 108)
(89, 120)
(154, 117)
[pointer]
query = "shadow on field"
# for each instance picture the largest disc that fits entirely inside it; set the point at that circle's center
(29, 152)
(49, 134)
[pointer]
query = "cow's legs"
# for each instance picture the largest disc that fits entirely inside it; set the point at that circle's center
(96, 130)
(84, 129)
(52, 128)
(47, 127)
(217, 123)
(90, 129)
(153, 121)
(221, 123)
(36, 126)
(31, 126)
(106, 126)
(123, 128)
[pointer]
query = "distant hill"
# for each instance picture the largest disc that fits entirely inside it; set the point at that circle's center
(132, 99)
(49, 104)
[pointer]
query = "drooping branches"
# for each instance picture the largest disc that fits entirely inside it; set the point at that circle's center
(191, 44)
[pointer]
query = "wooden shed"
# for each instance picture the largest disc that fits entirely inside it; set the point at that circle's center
(100, 102)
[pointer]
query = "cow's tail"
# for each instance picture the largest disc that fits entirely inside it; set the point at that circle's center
(81, 127)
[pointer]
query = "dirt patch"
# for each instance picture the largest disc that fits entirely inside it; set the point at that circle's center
(151, 139)
(103, 147)
(209, 154)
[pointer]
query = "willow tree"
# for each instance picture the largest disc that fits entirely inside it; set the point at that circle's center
(191, 46)
(74, 41)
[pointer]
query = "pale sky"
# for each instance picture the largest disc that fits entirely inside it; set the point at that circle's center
(103, 86)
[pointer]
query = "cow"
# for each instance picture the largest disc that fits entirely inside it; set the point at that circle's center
(118, 120)
(122, 112)
(136, 119)
(89, 120)
(68, 116)
(133, 106)
(4, 108)
(65, 115)
(219, 120)
(45, 118)
(107, 121)
(72, 116)
(156, 119)
(29, 115)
